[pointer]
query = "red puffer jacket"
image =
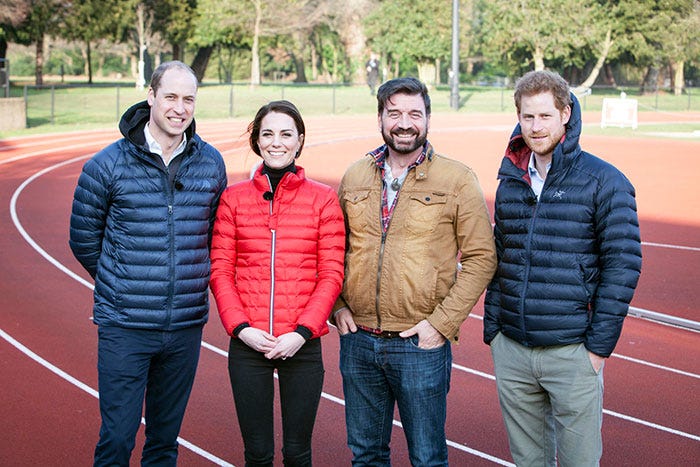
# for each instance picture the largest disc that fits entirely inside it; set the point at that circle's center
(278, 264)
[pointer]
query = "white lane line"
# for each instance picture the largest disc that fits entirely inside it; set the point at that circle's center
(652, 425)
(327, 396)
(675, 247)
(93, 392)
(397, 423)
(654, 365)
(13, 212)
(631, 359)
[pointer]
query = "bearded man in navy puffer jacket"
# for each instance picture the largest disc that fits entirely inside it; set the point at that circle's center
(569, 258)
(141, 225)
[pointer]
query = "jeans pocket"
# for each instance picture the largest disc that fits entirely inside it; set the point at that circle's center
(587, 360)
(414, 341)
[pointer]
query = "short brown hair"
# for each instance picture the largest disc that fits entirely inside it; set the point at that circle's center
(537, 82)
(165, 66)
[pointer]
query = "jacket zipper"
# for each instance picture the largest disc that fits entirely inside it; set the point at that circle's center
(272, 266)
(272, 279)
(528, 249)
(379, 280)
(171, 265)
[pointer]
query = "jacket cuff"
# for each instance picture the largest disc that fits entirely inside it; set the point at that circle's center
(239, 328)
(304, 331)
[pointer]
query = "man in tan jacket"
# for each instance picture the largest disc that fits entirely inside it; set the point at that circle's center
(420, 253)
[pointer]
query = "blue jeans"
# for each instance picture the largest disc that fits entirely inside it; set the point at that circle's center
(379, 372)
(134, 362)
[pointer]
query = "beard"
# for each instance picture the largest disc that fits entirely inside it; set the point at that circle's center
(544, 146)
(401, 147)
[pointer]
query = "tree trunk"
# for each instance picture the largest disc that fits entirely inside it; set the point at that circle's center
(39, 61)
(177, 52)
(538, 58)
(609, 76)
(299, 64)
(352, 35)
(605, 48)
(314, 62)
(255, 48)
(3, 50)
(426, 72)
(649, 84)
(88, 60)
(141, 33)
(678, 78)
(200, 62)
(437, 71)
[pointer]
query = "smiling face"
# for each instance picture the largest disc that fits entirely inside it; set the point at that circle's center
(279, 141)
(542, 124)
(404, 124)
(172, 105)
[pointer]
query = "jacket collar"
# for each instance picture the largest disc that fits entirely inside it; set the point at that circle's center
(290, 180)
(134, 120)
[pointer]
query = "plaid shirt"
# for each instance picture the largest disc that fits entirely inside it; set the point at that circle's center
(379, 155)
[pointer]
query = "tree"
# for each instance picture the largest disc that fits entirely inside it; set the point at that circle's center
(226, 25)
(174, 19)
(346, 18)
(42, 17)
(252, 20)
(91, 20)
(412, 32)
(12, 14)
(529, 33)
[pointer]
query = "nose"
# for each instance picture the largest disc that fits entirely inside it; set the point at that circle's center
(179, 106)
(537, 124)
(404, 121)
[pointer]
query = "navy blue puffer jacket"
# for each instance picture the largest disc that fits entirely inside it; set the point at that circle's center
(142, 230)
(569, 262)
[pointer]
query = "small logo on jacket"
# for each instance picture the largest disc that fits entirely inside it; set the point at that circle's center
(558, 194)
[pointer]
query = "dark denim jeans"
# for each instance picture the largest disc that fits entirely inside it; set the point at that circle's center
(131, 362)
(377, 373)
(301, 383)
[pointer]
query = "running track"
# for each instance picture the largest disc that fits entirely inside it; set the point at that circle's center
(49, 411)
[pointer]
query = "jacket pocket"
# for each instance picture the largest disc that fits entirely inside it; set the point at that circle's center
(424, 211)
(355, 206)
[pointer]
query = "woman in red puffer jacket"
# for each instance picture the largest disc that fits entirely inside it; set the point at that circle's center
(277, 268)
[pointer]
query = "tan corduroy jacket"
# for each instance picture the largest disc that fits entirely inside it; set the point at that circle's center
(395, 280)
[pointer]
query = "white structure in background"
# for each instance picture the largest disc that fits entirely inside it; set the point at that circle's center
(620, 112)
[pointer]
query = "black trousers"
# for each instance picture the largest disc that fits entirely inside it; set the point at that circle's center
(300, 383)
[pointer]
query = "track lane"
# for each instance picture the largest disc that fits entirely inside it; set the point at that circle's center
(474, 418)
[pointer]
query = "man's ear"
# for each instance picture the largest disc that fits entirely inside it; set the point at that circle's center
(566, 114)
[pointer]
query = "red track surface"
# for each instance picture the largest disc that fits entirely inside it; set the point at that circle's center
(652, 405)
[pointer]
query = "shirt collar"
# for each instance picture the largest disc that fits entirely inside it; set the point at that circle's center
(531, 166)
(381, 152)
(155, 147)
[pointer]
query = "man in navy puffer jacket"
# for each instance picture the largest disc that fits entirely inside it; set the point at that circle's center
(141, 223)
(569, 258)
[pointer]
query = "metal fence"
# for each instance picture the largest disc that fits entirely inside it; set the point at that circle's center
(104, 104)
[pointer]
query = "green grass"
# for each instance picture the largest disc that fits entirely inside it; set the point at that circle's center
(80, 107)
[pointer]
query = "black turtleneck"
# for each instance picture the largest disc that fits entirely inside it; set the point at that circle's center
(275, 175)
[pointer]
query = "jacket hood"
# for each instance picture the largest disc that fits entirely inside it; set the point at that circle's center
(517, 155)
(134, 120)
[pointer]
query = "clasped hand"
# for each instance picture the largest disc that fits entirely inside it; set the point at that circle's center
(284, 346)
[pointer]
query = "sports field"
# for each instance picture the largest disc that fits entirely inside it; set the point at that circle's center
(49, 414)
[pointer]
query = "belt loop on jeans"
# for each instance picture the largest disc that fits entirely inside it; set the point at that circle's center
(379, 332)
